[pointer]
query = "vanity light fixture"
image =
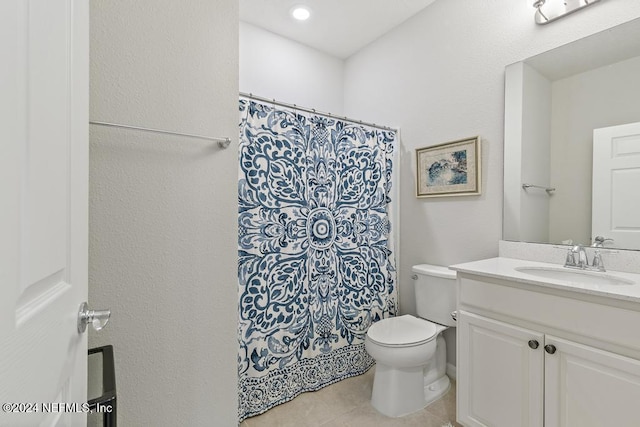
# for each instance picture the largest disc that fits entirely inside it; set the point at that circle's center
(550, 10)
(300, 13)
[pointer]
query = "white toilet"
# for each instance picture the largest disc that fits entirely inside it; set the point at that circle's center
(410, 351)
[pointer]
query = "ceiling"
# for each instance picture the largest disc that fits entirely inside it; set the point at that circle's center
(337, 27)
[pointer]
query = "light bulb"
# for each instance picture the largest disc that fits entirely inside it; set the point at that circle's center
(300, 13)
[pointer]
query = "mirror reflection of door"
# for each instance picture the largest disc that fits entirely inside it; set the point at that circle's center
(616, 185)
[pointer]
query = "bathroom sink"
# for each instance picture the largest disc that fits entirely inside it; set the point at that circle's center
(575, 276)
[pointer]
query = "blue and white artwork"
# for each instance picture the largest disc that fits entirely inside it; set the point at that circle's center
(316, 263)
(449, 170)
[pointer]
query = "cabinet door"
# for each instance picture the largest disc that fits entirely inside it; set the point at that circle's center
(500, 376)
(587, 387)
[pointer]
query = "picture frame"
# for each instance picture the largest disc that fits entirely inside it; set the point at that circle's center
(449, 169)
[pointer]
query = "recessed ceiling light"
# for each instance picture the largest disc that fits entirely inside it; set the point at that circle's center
(301, 13)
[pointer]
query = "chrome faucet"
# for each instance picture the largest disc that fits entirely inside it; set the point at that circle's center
(582, 261)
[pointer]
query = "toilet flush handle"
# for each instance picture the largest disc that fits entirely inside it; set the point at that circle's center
(454, 315)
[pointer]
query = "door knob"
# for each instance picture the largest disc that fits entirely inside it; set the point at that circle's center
(97, 318)
(533, 344)
(550, 348)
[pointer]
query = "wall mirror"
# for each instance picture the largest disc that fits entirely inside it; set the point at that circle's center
(554, 104)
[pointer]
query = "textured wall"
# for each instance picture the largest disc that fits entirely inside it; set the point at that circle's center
(163, 209)
(440, 77)
(276, 67)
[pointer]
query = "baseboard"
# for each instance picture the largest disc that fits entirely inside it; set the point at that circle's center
(451, 371)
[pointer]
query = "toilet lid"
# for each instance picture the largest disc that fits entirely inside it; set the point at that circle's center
(402, 331)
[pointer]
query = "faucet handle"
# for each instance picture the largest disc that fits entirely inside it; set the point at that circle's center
(597, 261)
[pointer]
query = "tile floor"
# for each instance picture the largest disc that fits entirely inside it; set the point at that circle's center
(347, 404)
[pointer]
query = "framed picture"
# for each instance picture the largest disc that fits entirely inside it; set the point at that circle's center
(449, 169)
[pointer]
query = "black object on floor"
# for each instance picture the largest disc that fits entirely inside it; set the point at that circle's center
(106, 403)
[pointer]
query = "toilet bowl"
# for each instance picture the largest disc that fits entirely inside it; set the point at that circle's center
(409, 351)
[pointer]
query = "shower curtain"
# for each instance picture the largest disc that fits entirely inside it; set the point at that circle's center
(316, 263)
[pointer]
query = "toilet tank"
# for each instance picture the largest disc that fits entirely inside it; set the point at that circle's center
(435, 288)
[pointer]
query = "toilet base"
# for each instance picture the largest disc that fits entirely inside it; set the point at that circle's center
(398, 391)
(436, 389)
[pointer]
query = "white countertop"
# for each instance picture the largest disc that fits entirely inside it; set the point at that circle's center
(505, 268)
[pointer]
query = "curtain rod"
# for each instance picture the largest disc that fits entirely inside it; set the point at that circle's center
(223, 142)
(311, 110)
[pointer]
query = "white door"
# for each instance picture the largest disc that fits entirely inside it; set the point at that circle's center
(616, 185)
(587, 387)
(500, 373)
(43, 217)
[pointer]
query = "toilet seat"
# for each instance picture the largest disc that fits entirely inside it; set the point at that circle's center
(402, 331)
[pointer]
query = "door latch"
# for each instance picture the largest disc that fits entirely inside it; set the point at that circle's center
(97, 318)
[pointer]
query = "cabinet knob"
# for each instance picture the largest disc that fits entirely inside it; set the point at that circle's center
(550, 348)
(533, 344)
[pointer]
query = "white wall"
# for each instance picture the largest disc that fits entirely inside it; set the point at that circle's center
(440, 77)
(163, 209)
(272, 66)
(535, 141)
(526, 159)
(512, 153)
(606, 96)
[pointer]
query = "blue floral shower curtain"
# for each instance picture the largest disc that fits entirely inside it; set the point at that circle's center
(316, 265)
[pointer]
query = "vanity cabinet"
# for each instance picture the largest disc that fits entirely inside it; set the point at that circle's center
(532, 357)
(500, 379)
(586, 386)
